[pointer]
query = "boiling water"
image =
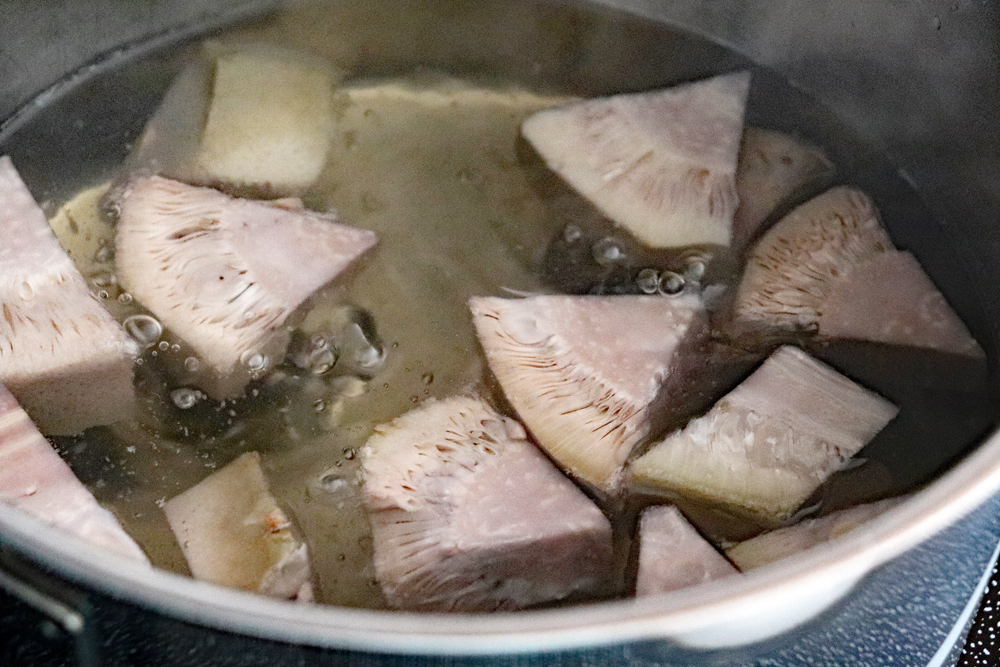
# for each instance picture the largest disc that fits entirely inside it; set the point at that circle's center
(426, 154)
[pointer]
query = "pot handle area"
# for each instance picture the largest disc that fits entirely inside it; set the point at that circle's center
(65, 608)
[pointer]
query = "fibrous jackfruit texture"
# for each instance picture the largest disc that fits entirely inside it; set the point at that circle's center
(33, 478)
(593, 377)
(660, 164)
(233, 533)
(767, 445)
(224, 273)
(247, 118)
(468, 515)
(64, 357)
(829, 269)
(672, 555)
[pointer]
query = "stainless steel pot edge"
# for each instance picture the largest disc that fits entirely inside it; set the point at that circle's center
(671, 617)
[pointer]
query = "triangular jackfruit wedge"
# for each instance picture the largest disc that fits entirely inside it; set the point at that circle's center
(64, 357)
(234, 533)
(224, 273)
(672, 555)
(660, 164)
(247, 118)
(767, 445)
(829, 269)
(592, 377)
(468, 515)
(33, 478)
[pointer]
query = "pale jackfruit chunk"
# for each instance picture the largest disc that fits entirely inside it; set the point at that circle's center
(233, 533)
(224, 274)
(764, 448)
(35, 480)
(246, 118)
(593, 377)
(660, 164)
(784, 542)
(773, 169)
(672, 555)
(889, 299)
(467, 514)
(64, 357)
(829, 269)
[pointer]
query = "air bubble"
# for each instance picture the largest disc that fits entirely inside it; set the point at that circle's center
(25, 290)
(350, 453)
(427, 378)
(163, 346)
(255, 361)
(175, 348)
(648, 281)
(143, 329)
(191, 364)
(184, 397)
(124, 298)
(103, 294)
(671, 283)
(319, 405)
(695, 269)
(572, 233)
(322, 362)
(607, 251)
(414, 399)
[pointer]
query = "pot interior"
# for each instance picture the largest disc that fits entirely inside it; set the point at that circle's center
(81, 138)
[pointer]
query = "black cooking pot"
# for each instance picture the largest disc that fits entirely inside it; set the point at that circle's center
(905, 92)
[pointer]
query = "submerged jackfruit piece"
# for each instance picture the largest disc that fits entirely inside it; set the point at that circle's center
(774, 170)
(593, 377)
(783, 542)
(223, 274)
(64, 357)
(467, 515)
(767, 445)
(660, 164)
(34, 479)
(234, 533)
(247, 118)
(829, 269)
(672, 555)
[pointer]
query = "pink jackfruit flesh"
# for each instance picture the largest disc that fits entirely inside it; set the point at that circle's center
(672, 555)
(234, 533)
(784, 542)
(593, 377)
(829, 270)
(660, 164)
(764, 448)
(223, 274)
(34, 479)
(61, 353)
(467, 515)
(773, 169)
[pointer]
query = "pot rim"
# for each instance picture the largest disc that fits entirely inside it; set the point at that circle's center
(959, 491)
